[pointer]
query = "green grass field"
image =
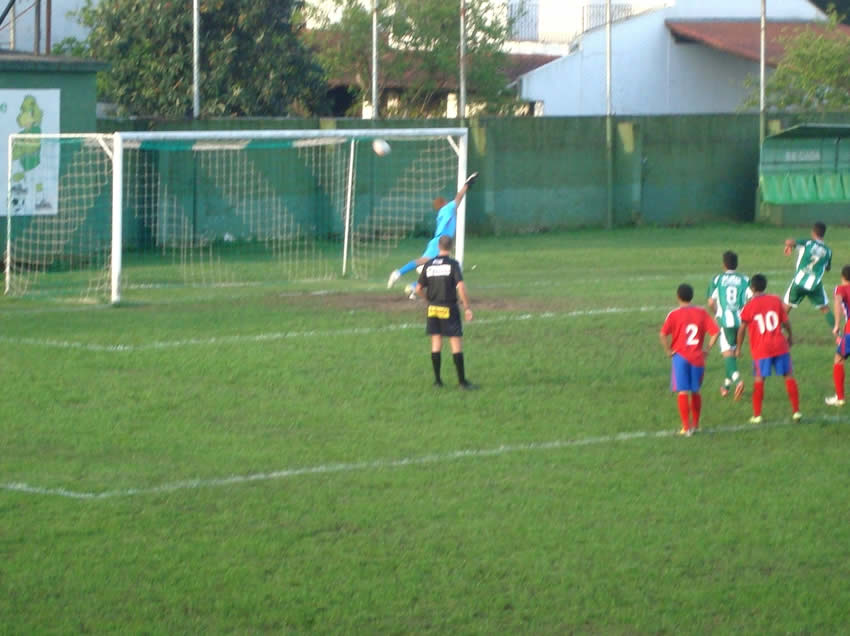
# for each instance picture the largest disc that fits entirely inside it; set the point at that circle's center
(275, 460)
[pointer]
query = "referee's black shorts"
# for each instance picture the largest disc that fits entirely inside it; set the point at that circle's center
(449, 326)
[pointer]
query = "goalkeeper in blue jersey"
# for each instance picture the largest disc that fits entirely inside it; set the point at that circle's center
(446, 222)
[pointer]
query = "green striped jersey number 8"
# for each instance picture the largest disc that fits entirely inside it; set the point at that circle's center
(732, 297)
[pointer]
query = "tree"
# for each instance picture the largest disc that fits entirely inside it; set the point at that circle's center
(419, 52)
(252, 62)
(842, 7)
(813, 75)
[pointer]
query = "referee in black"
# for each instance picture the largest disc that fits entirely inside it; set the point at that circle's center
(441, 284)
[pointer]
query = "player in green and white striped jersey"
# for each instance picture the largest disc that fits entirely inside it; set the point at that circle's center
(727, 293)
(814, 259)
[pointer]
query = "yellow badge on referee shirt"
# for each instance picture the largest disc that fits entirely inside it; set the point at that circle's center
(435, 311)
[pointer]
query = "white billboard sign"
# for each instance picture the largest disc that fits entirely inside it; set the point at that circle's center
(34, 186)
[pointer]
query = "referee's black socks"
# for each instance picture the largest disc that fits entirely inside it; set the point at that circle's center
(435, 362)
(461, 375)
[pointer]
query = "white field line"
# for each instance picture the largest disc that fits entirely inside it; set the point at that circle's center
(77, 306)
(574, 280)
(288, 335)
(384, 464)
(560, 282)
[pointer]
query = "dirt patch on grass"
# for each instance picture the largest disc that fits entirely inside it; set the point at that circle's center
(399, 303)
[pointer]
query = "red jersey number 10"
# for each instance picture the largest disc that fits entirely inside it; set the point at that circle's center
(767, 322)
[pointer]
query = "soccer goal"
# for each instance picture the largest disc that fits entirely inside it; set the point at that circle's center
(99, 216)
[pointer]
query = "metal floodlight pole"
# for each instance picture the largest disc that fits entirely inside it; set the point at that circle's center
(762, 100)
(48, 31)
(609, 124)
(12, 25)
(37, 29)
(461, 106)
(10, 7)
(608, 108)
(196, 90)
(375, 59)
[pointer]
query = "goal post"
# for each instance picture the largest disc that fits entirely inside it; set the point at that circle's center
(58, 192)
(220, 208)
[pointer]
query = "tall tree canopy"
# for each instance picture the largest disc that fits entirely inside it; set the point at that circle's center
(813, 75)
(252, 62)
(419, 52)
(842, 7)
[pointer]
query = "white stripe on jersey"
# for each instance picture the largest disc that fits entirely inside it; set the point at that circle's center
(439, 270)
(805, 279)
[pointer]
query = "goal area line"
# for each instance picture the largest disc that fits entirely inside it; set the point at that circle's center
(421, 460)
(289, 335)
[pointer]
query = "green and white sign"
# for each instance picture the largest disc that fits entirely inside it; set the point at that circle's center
(34, 185)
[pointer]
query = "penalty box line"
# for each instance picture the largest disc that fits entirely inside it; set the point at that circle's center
(288, 335)
(384, 464)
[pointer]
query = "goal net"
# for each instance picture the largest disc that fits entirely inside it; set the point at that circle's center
(101, 217)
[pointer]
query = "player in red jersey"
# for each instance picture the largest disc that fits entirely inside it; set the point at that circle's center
(842, 308)
(682, 337)
(766, 319)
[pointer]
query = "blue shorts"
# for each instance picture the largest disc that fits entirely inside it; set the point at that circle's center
(780, 364)
(432, 249)
(685, 376)
(844, 346)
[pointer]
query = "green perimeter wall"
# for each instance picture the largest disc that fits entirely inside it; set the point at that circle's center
(74, 78)
(541, 174)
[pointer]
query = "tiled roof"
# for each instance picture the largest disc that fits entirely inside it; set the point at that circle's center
(742, 37)
(521, 63)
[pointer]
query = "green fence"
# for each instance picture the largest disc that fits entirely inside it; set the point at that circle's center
(541, 174)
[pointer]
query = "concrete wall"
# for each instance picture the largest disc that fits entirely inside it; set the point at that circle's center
(652, 74)
(743, 9)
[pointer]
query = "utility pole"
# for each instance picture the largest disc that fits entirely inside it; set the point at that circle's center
(375, 59)
(461, 106)
(762, 100)
(37, 30)
(609, 123)
(48, 19)
(196, 56)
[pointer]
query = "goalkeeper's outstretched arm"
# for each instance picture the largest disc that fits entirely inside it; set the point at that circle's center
(469, 181)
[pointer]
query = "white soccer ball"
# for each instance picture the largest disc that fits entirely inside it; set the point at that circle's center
(381, 147)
